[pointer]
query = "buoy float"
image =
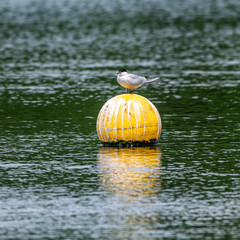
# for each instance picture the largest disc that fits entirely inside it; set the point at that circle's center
(128, 119)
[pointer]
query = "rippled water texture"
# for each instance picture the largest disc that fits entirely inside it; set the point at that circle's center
(58, 65)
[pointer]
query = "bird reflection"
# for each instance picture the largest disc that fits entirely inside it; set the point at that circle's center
(131, 172)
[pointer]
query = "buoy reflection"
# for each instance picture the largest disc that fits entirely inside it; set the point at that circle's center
(130, 171)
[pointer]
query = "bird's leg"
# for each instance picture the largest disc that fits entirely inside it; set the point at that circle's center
(133, 91)
(127, 90)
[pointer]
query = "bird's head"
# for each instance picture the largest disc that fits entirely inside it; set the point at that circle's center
(122, 71)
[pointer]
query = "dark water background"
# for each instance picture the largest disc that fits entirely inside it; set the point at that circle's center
(58, 65)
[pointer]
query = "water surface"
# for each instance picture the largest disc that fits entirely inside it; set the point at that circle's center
(58, 66)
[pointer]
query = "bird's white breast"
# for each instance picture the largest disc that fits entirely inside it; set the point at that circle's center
(130, 81)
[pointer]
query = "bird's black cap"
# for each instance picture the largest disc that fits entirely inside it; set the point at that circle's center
(122, 70)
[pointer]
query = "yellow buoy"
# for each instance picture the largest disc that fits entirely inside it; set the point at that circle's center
(129, 119)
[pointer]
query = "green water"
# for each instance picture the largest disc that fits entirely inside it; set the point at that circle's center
(58, 65)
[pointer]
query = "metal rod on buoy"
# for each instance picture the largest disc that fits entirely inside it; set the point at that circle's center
(129, 119)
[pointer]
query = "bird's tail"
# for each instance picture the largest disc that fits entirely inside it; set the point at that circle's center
(152, 80)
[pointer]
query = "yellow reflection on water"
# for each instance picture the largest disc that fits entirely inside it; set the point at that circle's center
(130, 171)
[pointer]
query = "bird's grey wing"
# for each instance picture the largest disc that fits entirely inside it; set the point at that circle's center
(136, 78)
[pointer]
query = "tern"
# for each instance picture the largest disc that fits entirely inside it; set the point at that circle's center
(132, 81)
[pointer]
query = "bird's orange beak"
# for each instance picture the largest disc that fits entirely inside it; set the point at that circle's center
(119, 72)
